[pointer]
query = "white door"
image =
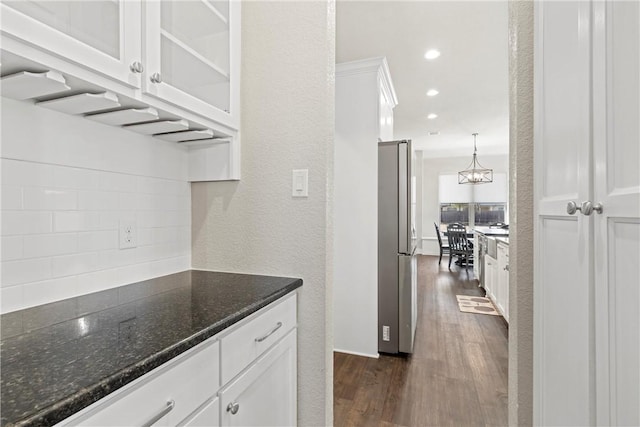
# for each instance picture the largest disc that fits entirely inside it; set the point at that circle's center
(102, 35)
(616, 154)
(586, 298)
(192, 56)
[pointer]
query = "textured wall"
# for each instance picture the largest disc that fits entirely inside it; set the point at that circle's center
(254, 225)
(66, 184)
(521, 213)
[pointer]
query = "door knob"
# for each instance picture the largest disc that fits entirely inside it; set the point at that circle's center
(155, 78)
(588, 207)
(572, 208)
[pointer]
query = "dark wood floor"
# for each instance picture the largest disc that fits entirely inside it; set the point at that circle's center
(457, 375)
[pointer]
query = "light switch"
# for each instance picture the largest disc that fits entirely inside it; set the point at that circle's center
(300, 183)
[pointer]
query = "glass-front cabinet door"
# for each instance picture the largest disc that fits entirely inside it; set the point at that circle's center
(99, 35)
(192, 56)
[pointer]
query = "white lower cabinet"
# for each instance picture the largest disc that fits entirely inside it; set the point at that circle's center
(490, 273)
(198, 388)
(163, 397)
(503, 280)
(265, 394)
(208, 416)
(496, 280)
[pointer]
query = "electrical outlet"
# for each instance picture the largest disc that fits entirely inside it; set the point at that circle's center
(385, 333)
(128, 235)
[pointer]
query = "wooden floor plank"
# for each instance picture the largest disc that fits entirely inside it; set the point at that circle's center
(457, 375)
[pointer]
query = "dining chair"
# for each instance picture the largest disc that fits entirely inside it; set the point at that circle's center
(460, 246)
(444, 247)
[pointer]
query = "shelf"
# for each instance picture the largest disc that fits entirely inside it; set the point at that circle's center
(82, 103)
(205, 142)
(192, 20)
(189, 135)
(163, 126)
(26, 85)
(125, 117)
(179, 54)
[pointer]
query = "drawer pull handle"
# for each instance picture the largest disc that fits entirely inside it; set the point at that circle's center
(233, 407)
(271, 332)
(165, 411)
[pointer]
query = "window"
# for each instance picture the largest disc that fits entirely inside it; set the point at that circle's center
(484, 214)
(489, 213)
(453, 212)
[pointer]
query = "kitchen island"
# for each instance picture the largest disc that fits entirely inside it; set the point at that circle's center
(62, 357)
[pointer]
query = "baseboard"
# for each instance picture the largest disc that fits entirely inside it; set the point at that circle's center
(355, 353)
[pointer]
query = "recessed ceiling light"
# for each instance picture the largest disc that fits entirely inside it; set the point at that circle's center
(432, 116)
(432, 92)
(432, 54)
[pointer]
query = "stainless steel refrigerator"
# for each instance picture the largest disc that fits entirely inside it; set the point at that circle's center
(397, 267)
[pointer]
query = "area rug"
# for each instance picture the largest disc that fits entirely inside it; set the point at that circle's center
(478, 305)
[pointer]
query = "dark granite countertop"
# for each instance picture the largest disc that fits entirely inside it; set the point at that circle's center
(492, 231)
(59, 358)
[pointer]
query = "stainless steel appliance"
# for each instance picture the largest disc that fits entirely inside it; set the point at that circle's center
(397, 266)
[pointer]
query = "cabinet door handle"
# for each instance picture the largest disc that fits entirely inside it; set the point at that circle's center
(233, 407)
(165, 411)
(156, 78)
(136, 67)
(268, 334)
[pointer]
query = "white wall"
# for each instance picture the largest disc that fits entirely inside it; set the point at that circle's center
(432, 168)
(66, 184)
(358, 127)
(254, 225)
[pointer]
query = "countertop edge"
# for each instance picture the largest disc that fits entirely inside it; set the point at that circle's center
(78, 401)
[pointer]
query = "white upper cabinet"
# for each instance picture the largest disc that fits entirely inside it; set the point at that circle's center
(179, 59)
(191, 57)
(101, 35)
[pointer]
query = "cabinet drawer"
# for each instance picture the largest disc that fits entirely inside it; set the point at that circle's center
(188, 382)
(246, 343)
(209, 416)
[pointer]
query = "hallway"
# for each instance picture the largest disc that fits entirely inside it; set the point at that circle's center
(457, 375)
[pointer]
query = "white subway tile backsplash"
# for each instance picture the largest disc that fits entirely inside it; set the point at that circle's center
(76, 221)
(97, 200)
(97, 281)
(24, 271)
(21, 222)
(75, 264)
(11, 197)
(98, 241)
(128, 201)
(11, 247)
(145, 236)
(11, 298)
(52, 290)
(37, 198)
(66, 185)
(42, 245)
(165, 235)
(110, 181)
(80, 179)
(133, 273)
(27, 174)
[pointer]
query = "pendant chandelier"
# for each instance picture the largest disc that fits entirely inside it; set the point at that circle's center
(475, 173)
